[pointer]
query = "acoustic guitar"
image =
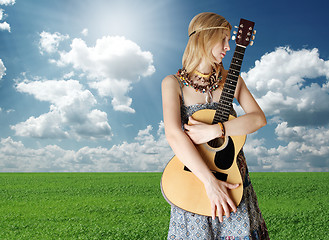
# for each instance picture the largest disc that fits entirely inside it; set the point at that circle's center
(179, 185)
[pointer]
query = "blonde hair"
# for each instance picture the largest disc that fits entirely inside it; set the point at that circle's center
(204, 32)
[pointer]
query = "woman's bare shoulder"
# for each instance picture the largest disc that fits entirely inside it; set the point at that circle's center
(170, 88)
(170, 81)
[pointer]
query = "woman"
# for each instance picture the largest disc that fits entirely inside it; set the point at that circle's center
(197, 86)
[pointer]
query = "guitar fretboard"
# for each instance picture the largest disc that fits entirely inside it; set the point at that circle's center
(227, 96)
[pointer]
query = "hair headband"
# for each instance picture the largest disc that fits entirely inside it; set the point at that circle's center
(208, 28)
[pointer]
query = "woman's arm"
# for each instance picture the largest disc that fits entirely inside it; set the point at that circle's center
(180, 143)
(251, 121)
(186, 152)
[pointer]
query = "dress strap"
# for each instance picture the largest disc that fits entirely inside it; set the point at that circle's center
(181, 89)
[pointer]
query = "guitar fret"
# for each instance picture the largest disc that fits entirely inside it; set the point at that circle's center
(238, 55)
(237, 61)
(235, 67)
(230, 86)
(221, 112)
(233, 72)
(232, 77)
(224, 112)
(231, 81)
(228, 94)
(239, 49)
(227, 103)
(227, 91)
(221, 118)
(236, 64)
(225, 99)
(226, 108)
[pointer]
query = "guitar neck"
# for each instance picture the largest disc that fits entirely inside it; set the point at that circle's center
(227, 96)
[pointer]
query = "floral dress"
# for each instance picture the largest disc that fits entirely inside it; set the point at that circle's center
(246, 223)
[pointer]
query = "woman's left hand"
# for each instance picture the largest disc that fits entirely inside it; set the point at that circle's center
(200, 132)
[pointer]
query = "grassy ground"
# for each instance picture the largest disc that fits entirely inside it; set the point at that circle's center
(294, 205)
(130, 205)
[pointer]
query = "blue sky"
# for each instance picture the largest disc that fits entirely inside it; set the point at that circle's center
(80, 82)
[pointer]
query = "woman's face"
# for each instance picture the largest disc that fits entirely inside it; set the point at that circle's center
(221, 47)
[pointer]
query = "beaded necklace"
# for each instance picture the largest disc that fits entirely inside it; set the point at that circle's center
(211, 83)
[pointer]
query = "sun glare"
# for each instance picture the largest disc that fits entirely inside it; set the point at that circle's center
(120, 18)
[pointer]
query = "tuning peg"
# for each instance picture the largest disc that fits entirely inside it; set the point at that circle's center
(234, 32)
(251, 43)
(236, 26)
(254, 32)
(233, 37)
(253, 38)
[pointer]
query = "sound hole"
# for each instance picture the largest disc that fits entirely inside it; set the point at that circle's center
(216, 143)
(224, 158)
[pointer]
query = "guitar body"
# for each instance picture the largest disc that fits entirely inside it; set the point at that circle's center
(183, 189)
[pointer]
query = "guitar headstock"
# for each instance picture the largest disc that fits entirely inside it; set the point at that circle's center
(245, 33)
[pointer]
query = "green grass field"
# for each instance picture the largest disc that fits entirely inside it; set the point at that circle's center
(131, 206)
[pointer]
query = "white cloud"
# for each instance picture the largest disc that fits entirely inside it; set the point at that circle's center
(286, 85)
(68, 75)
(84, 32)
(292, 88)
(4, 26)
(2, 69)
(71, 113)
(16, 157)
(111, 66)
(150, 152)
(145, 153)
(256, 153)
(49, 42)
(7, 111)
(7, 2)
(306, 150)
(117, 89)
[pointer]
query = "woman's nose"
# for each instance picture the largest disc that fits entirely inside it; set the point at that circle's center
(227, 46)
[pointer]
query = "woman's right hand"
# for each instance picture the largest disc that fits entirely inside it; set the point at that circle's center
(220, 200)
